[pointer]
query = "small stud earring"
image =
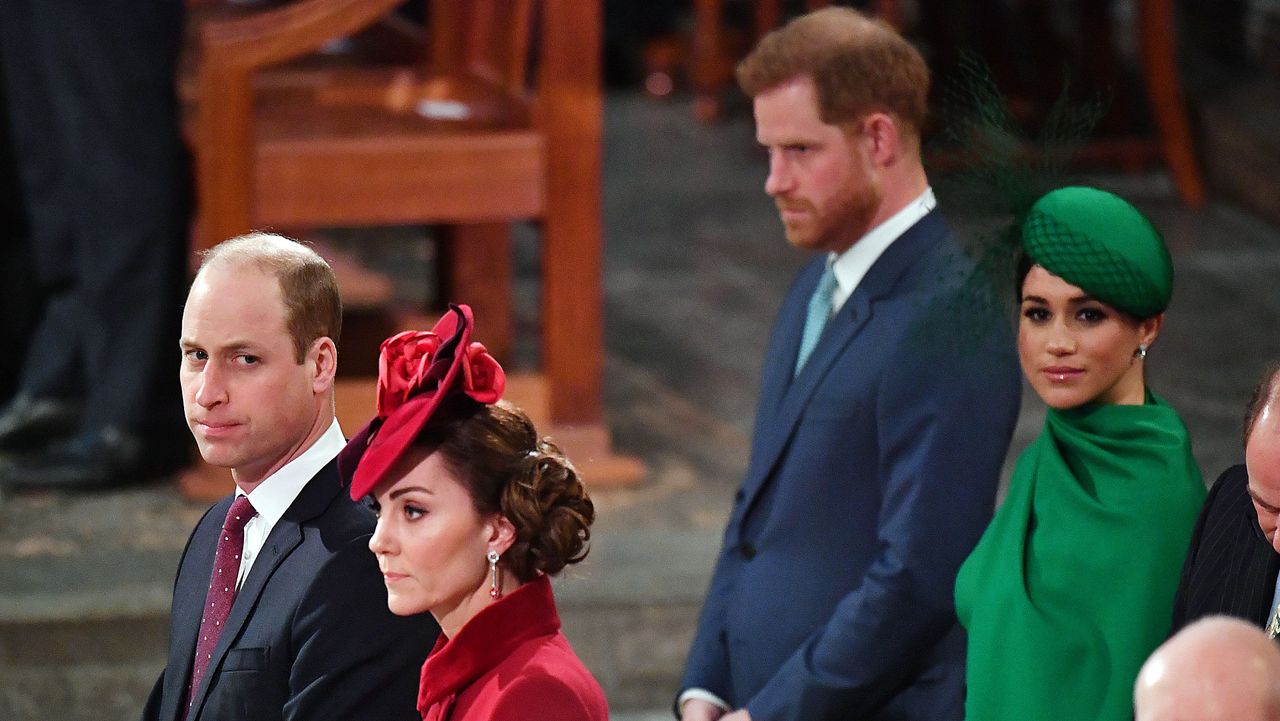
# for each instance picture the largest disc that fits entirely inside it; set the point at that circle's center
(1141, 352)
(495, 589)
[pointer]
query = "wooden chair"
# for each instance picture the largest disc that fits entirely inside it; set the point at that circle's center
(493, 116)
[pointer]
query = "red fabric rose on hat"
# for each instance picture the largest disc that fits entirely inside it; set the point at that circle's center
(482, 377)
(402, 367)
(417, 371)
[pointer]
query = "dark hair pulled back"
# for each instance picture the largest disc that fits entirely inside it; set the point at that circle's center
(494, 450)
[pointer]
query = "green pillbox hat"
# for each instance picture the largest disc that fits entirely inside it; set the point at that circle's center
(1099, 242)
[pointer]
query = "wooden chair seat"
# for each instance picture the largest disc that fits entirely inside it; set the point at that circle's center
(366, 165)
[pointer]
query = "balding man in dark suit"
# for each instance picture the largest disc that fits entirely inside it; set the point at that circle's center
(279, 609)
(1234, 559)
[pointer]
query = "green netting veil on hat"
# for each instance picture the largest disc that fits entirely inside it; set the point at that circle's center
(1099, 242)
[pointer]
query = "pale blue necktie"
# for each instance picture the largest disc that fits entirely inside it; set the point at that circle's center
(819, 312)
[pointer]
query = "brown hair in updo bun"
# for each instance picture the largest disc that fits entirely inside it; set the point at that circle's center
(494, 450)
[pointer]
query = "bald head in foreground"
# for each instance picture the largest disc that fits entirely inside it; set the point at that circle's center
(1216, 669)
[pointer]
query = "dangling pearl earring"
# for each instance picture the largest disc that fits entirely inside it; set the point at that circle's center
(1142, 352)
(495, 589)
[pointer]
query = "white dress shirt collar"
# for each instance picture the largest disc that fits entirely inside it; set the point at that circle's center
(851, 265)
(278, 491)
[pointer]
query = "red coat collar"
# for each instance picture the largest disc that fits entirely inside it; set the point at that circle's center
(489, 637)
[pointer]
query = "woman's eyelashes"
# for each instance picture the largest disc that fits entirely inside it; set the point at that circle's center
(1088, 315)
(1091, 315)
(1036, 313)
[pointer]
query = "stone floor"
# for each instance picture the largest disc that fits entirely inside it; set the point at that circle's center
(694, 270)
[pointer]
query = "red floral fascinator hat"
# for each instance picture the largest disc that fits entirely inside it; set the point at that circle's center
(417, 371)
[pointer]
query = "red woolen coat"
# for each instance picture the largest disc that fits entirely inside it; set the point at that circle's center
(510, 663)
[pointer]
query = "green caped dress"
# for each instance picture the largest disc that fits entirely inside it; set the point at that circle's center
(1071, 586)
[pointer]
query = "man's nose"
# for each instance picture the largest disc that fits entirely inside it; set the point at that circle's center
(780, 178)
(212, 390)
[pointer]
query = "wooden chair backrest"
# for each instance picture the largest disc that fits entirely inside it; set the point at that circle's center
(489, 39)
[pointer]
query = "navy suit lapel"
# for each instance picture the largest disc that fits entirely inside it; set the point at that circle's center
(188, 603)
(783, 400)
(285, 536)
(784, 344)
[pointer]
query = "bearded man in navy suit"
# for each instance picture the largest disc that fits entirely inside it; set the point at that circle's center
(887, 404)
(308, 635)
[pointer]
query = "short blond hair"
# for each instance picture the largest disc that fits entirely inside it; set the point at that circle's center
(313, 306)
(859, 65)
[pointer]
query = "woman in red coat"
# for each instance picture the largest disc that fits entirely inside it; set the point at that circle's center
(474, 513)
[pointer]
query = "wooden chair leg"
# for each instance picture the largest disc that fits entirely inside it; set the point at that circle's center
(707, 63)
(767, 17)
(475, 268)
(889, 11)
(1160, 71)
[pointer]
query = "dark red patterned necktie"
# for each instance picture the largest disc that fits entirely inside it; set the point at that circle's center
(222, 589)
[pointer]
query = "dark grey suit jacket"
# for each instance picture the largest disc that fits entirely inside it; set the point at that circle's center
(1230, 567)
(309, 636)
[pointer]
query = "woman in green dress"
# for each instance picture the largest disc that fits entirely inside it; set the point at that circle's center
(1072, 585)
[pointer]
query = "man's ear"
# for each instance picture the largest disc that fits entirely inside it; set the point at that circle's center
(322, 362)
(881, 138)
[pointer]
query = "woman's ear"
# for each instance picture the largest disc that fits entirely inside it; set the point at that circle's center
(501, 533)
(1149, 329)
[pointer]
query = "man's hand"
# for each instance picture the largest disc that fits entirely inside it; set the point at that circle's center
(739, 715)
(695, 709)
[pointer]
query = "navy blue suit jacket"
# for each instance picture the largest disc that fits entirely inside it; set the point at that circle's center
(309, 636)
(872, 476)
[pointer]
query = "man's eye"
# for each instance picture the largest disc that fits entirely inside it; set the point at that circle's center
(247, 360)
(195, 355)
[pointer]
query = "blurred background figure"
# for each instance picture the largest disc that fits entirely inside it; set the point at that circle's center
(104, 185)
(1216, 669)
(16, 288)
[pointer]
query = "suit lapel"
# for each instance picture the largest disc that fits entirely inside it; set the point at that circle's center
(784, 344)
(783, 400)
(285, 536)
(1258, 573)
(188, 603)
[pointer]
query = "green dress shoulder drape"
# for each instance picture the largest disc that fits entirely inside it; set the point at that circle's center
(1072, 584)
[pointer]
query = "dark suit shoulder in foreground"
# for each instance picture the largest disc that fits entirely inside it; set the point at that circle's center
(1230, 567)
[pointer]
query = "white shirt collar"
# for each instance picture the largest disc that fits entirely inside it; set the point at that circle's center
(277, 492)
(851, 265)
